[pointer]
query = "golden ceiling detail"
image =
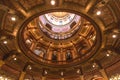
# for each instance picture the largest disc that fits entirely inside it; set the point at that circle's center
(81, 2)
(80, 56)
(9, 23)
(106, 19)
(81, 47)
(29, 4)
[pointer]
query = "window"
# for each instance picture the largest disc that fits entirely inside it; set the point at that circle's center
(54, 55)
(68, 55)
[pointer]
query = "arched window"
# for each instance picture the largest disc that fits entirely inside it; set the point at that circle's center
(54, 56)
(40, 52)
(28, 42)
(37, 51)
(68, 55)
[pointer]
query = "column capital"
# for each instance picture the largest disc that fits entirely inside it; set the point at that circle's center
(62, 78)
(22, 75)
(81, 77)
(1, 63)
(43, 78)
(103, 73)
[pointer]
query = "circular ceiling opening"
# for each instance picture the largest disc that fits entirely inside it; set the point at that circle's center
(59, 38)
(59, 18)
(59, 25)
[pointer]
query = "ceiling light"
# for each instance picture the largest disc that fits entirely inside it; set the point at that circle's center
(45, 72)
(52, 2)
(15, 59)
(107, 55)
(5, 42)
(13, 18)
(94, 65)
(78, 71)
(28, 41)
(1, 77)
(86, 26)
(98, 12)
(80, 37)
(61, 73)
(29, 67)
(6, 79)
(114, 36)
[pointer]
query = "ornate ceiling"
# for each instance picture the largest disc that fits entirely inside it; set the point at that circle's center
(38, 37)
(69, 39)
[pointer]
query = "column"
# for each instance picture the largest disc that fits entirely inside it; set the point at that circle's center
(22, 75)
(1, 63)
(102, 71)
(23, 72)
(58, 56)
(62, 79)
(81, 77)
(63, 54)
(43, 78)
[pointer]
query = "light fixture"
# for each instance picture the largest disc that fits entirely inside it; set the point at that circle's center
(45, 72)
(86, 26)
(1, 77)
(15, 58)
(13, 18)
(5, 42)
(115, 77)
(61, 73)
(94, 65)
(80, 37)
(78, 71)
(107, 54)
(5, 79)
(28, 41)
(114, 36)
(29, 67)
(98, 12)
(52, 2)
